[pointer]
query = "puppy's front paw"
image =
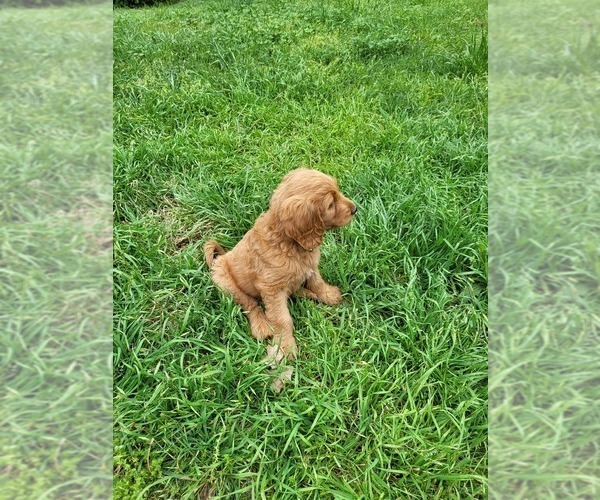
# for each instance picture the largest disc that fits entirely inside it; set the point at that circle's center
(289, 347)
(260, 327)
(331, 295)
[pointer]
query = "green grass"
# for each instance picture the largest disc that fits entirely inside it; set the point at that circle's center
(544, 240)
(55, 262)
(213, 103)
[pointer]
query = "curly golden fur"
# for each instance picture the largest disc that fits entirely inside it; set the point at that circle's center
(279, 256)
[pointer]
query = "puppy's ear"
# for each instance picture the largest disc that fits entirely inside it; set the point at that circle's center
(328, 199)
(301, 220)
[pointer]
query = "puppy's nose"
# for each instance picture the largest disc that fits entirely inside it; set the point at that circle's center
(353, 209)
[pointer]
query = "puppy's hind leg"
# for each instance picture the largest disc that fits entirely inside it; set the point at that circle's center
(259, 325)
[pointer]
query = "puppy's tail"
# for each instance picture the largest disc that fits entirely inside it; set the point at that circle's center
(210, 249)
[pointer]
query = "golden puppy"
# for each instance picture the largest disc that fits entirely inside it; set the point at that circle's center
(279, 256)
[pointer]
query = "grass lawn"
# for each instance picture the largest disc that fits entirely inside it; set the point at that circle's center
(55, 252)
(213, 102)
(544, 257)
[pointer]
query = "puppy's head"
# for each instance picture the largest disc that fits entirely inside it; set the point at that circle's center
(308, 203)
